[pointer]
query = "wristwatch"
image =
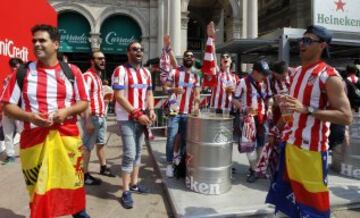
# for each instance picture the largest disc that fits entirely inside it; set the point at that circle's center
(310, 110)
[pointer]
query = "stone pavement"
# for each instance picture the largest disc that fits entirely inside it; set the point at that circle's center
(103, 201)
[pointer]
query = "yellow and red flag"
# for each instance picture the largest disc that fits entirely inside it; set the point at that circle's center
(51, 161)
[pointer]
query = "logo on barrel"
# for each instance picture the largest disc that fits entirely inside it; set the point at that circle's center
(201, 187)
(223, 136)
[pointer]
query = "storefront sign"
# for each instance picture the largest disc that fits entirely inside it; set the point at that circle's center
(74, 33)
(338, 15)
(117, 32)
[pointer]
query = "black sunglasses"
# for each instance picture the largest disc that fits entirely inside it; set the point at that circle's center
(308, 41)
(137, 49)
(225, 56)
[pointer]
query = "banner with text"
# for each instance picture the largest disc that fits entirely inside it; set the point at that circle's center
(117, 32)
(74, 32)
(338, 15)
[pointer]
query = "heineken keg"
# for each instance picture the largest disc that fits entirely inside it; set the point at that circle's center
(209, 153)
(346, 159)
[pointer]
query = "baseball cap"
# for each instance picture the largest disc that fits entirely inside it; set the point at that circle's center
(324, 34)
(262, 66)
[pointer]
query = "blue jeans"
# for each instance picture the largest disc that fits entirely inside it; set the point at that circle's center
(98, 136)
(81, 214)
(176, 124)
(132, 135)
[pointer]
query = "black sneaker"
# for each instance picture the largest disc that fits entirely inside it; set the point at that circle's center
(252, 177)
(139, 189)
(90, 180)
(126, 200)
(105, 171)
(8, 160)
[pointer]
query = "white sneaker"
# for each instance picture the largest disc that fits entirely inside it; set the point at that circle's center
(170, 171)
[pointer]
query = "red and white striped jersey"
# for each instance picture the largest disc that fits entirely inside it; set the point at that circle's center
(135, 84)
(309, 86)
(353, 78)
(188, 80)
(279, 86)
(46, 90)
(249, 97)
(94, 85)
(165, 65)
(219, 98)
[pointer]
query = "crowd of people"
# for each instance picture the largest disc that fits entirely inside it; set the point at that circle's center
(282, 119)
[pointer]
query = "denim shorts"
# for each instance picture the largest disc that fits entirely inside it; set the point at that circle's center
(132, 136)
(98, 136)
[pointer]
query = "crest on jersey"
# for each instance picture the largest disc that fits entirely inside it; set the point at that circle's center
(311, 80)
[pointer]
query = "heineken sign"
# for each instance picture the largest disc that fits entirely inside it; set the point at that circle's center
(74, 36)
(117, 32)
(338, 15)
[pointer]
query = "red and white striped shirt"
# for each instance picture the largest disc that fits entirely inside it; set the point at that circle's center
(219, 98)
(250, 98)
(135, 84)
(94, 84)
(188, 80)
(308, 86)
(46, 90)
(353, 78)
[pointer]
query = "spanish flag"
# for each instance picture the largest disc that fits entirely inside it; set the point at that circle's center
(299, 188)
(51, 161)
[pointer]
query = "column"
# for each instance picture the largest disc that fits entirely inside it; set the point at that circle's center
(252, 25)
(244, 14)
(175, 26)
(95, 41)
(161, 24)
(184, 29)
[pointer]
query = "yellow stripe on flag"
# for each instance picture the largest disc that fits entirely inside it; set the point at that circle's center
(305, 167)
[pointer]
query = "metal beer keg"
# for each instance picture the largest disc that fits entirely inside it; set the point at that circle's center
(209, 153)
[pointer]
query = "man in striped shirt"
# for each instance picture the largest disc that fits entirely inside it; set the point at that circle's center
(134, 112)
(50, 144)
(252, 95)
(183, 84)
(317, 97)
(94, 121)
(222, 93)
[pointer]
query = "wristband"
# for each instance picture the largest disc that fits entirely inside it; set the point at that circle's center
(136, 113)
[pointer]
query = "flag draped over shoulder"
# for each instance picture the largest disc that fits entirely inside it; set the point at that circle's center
(299, 188)
(52, 166)
(209, 65)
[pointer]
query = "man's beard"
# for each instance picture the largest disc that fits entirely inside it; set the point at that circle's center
(98, 68)
(188, 64)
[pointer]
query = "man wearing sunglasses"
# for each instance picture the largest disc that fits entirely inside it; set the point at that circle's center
(316, 98)
(133, 93)
(222, 93)
(94, 121)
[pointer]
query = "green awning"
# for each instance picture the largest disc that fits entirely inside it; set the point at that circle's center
(74, 33)
(117, 32)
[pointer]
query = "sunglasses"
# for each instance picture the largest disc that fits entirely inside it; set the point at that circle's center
(99, 58)
(225, 56)
(308, 41)
(188, 56)
(137, 49)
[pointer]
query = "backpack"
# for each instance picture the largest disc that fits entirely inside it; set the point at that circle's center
(20, 74)
(353, 93)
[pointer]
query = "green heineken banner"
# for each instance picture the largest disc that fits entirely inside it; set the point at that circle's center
(117, 32)
(74, 33)
(338, 15)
